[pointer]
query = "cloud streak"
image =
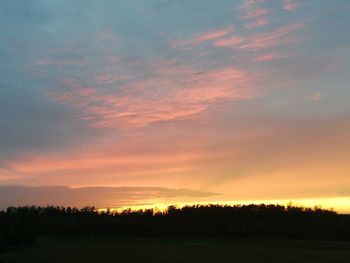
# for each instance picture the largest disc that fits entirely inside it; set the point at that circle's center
(196, 40)
(269, 57)
(257, 13)
(281, 36)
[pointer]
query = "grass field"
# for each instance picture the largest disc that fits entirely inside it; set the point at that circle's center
(112, 249)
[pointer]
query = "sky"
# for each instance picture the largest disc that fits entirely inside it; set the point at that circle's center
(158, 102)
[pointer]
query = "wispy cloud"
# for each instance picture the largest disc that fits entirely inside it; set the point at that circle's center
(269, 57)
(106, 78)
(253, 15)
(196, 40)
(290, 5)
(233, 42)
(257, 13)
(259, 22)
(247, 4)
(176, 93)
(281, 36)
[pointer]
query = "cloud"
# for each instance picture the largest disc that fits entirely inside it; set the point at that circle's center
(317, 96)
(100, 197)
(281, 36)
(259, 22)
(257, 13)
(211, 35)
(247, 4)
(174, 92)
(130, 159)
(232, 42)
(109, 78)
(290, 5)
(97, 160)
(269, 57)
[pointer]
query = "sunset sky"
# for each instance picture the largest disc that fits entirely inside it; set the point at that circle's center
(158, 102)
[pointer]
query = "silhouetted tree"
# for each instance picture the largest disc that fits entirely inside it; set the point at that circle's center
(20, 225)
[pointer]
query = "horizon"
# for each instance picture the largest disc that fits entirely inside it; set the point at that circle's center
(47, 196)
(150, 104)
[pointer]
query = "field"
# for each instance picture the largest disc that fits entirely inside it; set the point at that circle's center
(113, 249)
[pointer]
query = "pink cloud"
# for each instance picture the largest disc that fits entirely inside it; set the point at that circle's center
(267, 40)
(233, 42)
(268, 57)
(93, 160)
(109, 78)
(259, 22)
(176, 93)
(212, 35)
(289, 5)
(257, 13)
(247, 4)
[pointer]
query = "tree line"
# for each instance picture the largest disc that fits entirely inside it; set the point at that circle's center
(21, 225)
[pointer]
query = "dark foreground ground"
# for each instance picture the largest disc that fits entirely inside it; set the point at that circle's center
(112, 249)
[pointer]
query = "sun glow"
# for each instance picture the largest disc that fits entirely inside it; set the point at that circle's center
(338, 204)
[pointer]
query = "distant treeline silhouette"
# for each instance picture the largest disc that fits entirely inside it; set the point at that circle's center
(21, 225)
